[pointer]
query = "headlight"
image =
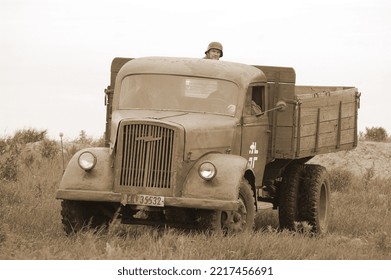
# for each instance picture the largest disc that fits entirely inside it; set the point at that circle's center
(207, 170)
(87, 161)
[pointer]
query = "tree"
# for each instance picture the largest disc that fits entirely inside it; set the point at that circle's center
(83, 138)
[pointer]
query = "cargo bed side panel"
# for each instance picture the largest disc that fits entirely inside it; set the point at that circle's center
(320, 122)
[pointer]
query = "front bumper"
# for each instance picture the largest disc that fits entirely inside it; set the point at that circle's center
(182, 202)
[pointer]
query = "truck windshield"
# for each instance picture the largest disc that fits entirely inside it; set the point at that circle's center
(181, 93)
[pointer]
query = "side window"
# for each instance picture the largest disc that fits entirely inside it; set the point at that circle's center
(255, 102)
(258, 96)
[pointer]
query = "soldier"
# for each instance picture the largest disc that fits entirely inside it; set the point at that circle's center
(214, 51)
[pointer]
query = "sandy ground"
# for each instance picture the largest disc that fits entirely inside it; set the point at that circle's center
(366, 155)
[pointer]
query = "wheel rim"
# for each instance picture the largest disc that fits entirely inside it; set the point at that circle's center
(323, 206)
(235, 221)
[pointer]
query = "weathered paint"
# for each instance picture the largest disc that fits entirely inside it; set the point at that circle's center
(204, 132)
(99, 179)
(240, 74)
(225, 186)
(97, 184)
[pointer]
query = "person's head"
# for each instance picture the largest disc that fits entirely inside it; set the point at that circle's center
(214, 51)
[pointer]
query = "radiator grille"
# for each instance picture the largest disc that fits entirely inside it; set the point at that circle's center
(147, 155)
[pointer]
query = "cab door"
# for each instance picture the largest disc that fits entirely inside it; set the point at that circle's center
(255, 130)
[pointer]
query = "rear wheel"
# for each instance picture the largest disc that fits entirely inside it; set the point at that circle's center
(84, 215)
(316, 198)
(232, 222)
(289, 196)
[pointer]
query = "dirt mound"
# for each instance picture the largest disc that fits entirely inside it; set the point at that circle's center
(367, 155)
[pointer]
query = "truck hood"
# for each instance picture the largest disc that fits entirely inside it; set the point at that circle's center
(202, 132)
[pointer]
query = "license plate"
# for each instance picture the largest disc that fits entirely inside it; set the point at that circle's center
(148, 200)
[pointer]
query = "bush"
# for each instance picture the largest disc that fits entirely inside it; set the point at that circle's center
(368, 175)
(9, 168)
(340, 179)
(85, 140)
(49, 149)
(14, 151)
(377, 134)
(4, 146)
(30, 135)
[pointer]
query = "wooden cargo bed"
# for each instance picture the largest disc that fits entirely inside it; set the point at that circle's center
(317, 122)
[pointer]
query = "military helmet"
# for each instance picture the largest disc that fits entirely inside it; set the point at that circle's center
(215, 45)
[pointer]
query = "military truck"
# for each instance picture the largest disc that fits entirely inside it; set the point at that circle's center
(206, 144)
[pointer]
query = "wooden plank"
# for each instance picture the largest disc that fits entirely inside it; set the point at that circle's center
(309, 115)
(327, 126)
(313, 100)
(324, 150)
(339, 125)
(327, 140)
(317, 130)
(299, 89)
(325, 104)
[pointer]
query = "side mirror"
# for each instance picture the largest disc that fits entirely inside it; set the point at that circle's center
(280, 106)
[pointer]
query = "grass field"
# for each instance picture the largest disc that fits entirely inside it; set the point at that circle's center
(30, 223)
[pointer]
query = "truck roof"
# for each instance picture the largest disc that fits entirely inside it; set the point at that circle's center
(241, 74)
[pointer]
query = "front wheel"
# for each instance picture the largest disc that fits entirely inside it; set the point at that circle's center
(232, 222)
(84, 215)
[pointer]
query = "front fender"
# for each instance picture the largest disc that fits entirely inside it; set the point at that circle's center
(225, 186)
(99, 179)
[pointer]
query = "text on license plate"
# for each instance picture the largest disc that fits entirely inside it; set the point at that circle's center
(149, 200)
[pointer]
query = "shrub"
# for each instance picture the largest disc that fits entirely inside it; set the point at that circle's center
(19, 148)
(29, 135)
(29, 160)
(9, 145)
(9, 168)
(100, 142)
(49, 149)
(3, 146)
(340, 179)
(377, 134)
(368, 175)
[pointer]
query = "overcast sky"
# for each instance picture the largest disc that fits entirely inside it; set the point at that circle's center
(56, 54)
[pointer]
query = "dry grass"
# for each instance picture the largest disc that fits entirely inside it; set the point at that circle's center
(31, 228)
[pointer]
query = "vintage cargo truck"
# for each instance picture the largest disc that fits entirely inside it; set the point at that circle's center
(206, 144)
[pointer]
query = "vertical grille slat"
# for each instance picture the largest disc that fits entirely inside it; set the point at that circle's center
(126, 158)
(147, 154)
(159, 159)
(156, 160)
(133, 148)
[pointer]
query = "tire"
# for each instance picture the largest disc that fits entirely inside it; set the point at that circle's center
(80, 216)
(316, 198)
(231, 222)
(289, 194)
